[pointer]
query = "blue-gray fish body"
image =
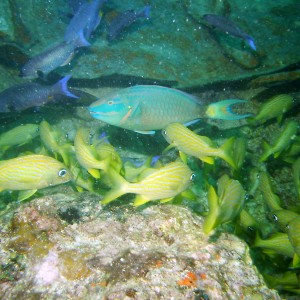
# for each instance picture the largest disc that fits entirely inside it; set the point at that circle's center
(52, 58)
(229, 27)
(85, 20)
(75, 5)
(125, 19)
(23, 96)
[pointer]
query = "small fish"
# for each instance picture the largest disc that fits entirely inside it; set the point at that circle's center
(125, 19)
(52, 58)
(247, 221)
(27, 95)
(281, 143)
(283, 217)
(158, 184)
(271, 199)
(229, 27)
(18, 136)
(32, 172)
(294, 234)
(273, 108)
(224, 206)
(186, 141)
(85, 21)
(145, 108)
(277, 243)
(87, 155)
(239, 152)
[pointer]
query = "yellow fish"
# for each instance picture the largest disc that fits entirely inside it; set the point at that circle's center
(87, 155)
(186, 141)
(158, 184)
(19, 135)
(224, 206)
(273, 108)
(296, 175)
(32, 172)
(294, 234)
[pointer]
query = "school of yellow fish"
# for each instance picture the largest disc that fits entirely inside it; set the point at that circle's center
(87, 160)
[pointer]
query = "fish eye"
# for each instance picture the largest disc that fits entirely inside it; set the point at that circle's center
(164, 132)
(62, 173)
(193, 176)
(275, 218)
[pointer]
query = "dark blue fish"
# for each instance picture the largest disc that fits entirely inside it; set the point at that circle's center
(229, 27)
(85, 21)
(49, 60)
(23, 96)
(125, 19)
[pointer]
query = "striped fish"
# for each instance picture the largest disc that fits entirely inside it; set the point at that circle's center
(294, 234)
(87, 155)
(179, 136)
(273, 108)
(19, 135)
(32, 172)
(155, 184)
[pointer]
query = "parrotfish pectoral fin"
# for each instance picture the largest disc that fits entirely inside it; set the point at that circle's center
(222, 110)
(23, 195)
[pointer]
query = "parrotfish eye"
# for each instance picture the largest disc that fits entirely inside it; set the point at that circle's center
(62, 173)
(193, 176)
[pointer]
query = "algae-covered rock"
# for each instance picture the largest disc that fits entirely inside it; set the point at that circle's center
(73, 247)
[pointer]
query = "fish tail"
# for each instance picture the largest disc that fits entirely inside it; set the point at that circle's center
(267, 152)
(250, 42)
(226, 150)
(146, 12)
(222, 110)
(81, 41)
(118, 182)
(61, 87)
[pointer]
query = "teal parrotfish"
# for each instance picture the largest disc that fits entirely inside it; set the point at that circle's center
(146, 108)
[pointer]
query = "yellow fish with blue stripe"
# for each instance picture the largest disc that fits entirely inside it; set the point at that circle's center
(186, 141)
(146, 108)
(157, 184)
(32, 172)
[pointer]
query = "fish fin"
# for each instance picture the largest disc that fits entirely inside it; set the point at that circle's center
(213, 203)
(1, 189)
(296, 261)
(95, 173)
(166, 200)
(81, 40)
(226, 152)
(250, 42)
(208, 159)
(191, 122)
(276, 154)
(146, 12)
(145, 131)
(79, 188)
(183, 157)
(140, 200)
(188, 194)
(23, 195)
(69, 58)
(267, 151)
(222, 110)
(62, 88)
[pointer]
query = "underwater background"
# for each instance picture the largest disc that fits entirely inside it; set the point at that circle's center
(184, 115)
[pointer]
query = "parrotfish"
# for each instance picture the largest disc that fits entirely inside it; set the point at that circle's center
(32, 172)
(23, 96)
(273, 108)
(125, 19)
(158, 184)
(145, 108)
(229, 27)
(179, 136)
(85, 21)
(281, 143)
(52, 58)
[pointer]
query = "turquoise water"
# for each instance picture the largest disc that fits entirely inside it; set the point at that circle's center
(176, 47)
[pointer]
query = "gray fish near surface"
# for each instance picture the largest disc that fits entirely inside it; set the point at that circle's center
(54, 57)
(125, 19)
(85, 21)
(229, 27)
(23, 96)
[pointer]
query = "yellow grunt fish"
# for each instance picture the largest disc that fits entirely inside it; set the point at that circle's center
(283, 217)
(296, 175)
(158, 184)
(18, 136)
(87, 155)
(185, 140)
(282, 142)
(32, 172)
(273, 108)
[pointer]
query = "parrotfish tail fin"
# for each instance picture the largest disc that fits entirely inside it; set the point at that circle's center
(250, 42)
(222, 110)
(118, 182)
(267, 152)
(145, 12)
(226, 152)
(81, 41)
(210, 221)
(61, 87)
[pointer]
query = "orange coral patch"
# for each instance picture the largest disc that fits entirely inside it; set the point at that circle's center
(190, 280)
